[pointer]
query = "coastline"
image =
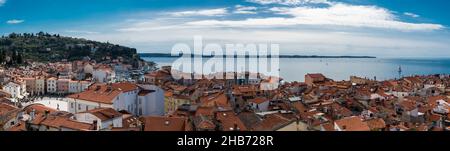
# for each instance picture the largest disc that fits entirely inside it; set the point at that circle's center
(167, 55)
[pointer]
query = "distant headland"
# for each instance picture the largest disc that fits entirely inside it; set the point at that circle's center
(167, 55)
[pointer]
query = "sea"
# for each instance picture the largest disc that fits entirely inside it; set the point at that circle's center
(295, 69)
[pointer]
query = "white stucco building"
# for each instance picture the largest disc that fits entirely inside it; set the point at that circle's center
(16, 89)
(119, 96)
(78, 86)
(150, 100)
(40, 85)
(104, 118)
(51, 85)
(103, 75)
(259, 104)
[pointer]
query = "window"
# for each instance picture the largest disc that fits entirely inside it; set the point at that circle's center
(87, 108)
(140, 101)
(140, 111)
(79, 106)
(71, 105)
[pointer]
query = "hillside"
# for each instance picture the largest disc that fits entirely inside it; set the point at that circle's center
(46, 47)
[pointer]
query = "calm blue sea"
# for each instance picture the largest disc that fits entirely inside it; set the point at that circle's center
(294, 69)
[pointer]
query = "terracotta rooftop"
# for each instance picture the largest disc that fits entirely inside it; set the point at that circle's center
(258, 100)
(299, 107)
(432, 99)
(104, 93)
(204, 122)
(271, 122)
(249, 118)
(18, 127)
(229, 121)
(104, 113)
(316, 75)
(353, 123)
(376, 124)
(160, 123)
(5, 108)
(407, 105)
(157, 74)
(328, 126)
(145, 92)
(205, 111)
(38, 108)
(63, 122)
(218, 99)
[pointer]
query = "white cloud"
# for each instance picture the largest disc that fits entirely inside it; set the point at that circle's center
(15, 21)
(205, 12)
(292, 41)
(335, 29)
(411, 14)
(239, 9)
(2, 2)
(336, 15)
(289, 2)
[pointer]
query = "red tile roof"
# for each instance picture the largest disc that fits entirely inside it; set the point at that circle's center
(145, 92)
(316, 75)
(160, 123)
(328, 126)
(205, 111)
(6, 108)
(258, 100)
(299, 107)
(63, 122)
(218, 99)
(353, 123)
(271, 122)
(104, 113)
(18, 127)
(104, 93)
(376, 124)
(39, 108)
(230, 121)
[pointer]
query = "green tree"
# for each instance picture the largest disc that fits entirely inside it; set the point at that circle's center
(2, 56)
(19, 58)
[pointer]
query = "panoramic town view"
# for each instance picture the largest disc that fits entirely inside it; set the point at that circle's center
(334, 65)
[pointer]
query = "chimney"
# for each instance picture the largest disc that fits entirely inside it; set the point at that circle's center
(32, 114)
(236, 128)
(108, 88)
(95, 124)
(46, 112)
(97, 88)
(27, 125)
(142, 125)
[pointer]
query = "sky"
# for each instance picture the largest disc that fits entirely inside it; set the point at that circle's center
(382, 28)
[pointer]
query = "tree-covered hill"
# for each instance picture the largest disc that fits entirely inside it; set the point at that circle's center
(17, 48)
